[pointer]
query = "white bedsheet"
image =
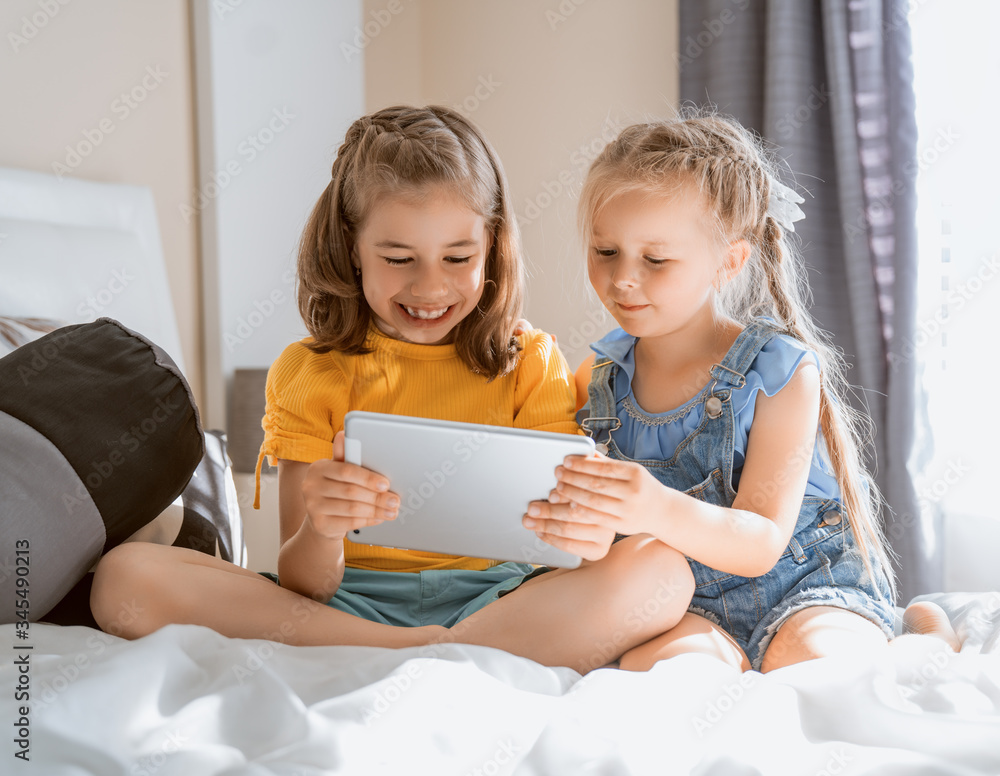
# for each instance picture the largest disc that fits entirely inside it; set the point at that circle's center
(188, 701)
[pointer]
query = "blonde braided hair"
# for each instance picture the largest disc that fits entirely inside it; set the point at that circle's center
(731, 169)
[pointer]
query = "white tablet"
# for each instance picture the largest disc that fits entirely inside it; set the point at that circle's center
(463, 487)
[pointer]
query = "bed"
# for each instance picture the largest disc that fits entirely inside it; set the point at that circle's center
(185, 700)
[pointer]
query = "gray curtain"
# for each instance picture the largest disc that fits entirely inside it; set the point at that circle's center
(829, 84)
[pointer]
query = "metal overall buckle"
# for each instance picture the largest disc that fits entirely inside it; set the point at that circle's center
(601, 447)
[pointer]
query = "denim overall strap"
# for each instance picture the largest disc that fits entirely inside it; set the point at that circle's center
(603, 417)
(741, 355)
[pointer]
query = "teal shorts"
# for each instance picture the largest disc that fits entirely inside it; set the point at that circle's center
(438, 597)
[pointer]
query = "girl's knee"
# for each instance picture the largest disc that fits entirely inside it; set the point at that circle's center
(123, 580)
(653, 580)
(654, 565)
(819, 631)
(693, 634)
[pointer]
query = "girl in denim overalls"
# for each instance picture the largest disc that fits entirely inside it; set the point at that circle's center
(719, 387)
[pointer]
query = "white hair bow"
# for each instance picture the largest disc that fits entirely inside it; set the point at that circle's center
(783, 206)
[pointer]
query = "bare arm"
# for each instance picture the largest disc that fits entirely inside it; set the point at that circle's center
(318, 504)
(308, 563)
(746, 539)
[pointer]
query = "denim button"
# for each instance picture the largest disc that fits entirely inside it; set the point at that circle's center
(713, 406)
(832, 518)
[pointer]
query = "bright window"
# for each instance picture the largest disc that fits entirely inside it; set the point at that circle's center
(957, 68)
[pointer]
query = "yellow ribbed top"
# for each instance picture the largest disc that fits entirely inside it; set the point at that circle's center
(308, 395)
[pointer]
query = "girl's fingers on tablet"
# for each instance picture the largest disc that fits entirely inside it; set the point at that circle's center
(570, 529)
(586, 550)
(338, 471)
(599, 466)
(598, 502)
(339, 490)
(567, 511)
(341, 509)
(614, 487)
(338, 526)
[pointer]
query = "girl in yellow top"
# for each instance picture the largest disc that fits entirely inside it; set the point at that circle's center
(410, 284)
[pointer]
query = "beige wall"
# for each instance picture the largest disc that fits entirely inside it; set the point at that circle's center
(66, 78)
(548, 82)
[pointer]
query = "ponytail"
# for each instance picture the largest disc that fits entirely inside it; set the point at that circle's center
(843, 429)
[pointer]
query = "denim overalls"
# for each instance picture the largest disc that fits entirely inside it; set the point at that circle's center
(820, 566)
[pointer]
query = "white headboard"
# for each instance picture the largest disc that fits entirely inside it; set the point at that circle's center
(75, 251)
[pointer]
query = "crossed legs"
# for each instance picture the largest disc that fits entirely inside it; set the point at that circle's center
(582, 618)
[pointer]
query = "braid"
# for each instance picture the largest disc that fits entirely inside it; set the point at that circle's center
(772, 255)
(844, 429)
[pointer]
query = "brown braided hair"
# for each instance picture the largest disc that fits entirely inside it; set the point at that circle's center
(401, 151)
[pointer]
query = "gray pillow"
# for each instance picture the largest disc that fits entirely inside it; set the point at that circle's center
(98, 434)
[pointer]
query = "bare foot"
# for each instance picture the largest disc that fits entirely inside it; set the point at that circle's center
(929, 619)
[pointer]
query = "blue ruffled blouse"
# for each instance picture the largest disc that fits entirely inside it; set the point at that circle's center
(649, 435)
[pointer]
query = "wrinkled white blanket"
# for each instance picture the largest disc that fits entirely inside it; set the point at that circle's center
(187, 701)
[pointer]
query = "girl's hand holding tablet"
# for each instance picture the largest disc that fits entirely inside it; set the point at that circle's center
(340, 497)
(596, 498)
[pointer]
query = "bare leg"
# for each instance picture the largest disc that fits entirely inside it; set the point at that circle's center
(692, 634)
(590, 616)
(820, 631)
(929, 619)
(140, 587)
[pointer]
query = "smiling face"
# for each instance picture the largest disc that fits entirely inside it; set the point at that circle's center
(422, 262)
(654, 261)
